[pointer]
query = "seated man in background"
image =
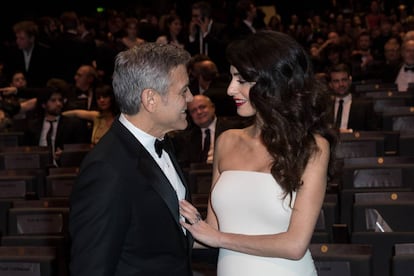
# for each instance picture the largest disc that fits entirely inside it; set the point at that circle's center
(207, 80)
(50, 128)
(196, 143)
(406, 73)
(389, 68)
(350, 112)
(81, 94)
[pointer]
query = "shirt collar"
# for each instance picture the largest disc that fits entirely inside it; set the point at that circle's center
(346, 98)
(144, 138)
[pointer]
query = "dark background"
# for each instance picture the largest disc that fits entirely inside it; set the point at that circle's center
(17, 10)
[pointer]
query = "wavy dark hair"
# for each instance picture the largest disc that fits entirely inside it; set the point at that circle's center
(292, 105)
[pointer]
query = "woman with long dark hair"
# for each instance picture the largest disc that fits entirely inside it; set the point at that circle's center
(269, 179)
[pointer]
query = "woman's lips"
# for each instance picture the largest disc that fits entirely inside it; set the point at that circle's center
(239, 102)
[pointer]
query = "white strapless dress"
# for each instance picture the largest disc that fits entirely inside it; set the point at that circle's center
(252, 203)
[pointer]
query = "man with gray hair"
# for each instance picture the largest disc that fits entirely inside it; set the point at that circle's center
(124, 216)
(406, 73)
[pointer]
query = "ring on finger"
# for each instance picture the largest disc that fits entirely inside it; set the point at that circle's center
(198, 218)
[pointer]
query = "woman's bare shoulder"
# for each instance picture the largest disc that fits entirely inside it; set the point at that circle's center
(321, 141)
(230, 140)
(323, 145)
(229, 136)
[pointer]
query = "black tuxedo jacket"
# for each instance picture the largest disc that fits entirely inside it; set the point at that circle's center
(388, 72)
(40, 65)
(124, 214)
(241, 31)
(70, 130)
(362, 115)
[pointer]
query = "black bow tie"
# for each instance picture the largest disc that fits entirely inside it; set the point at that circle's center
(159, 146)
(408, 68)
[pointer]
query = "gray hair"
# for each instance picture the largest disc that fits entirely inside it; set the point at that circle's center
(147, 66)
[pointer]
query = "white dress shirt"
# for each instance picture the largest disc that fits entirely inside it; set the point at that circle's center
(403, 79)
(164, 162)
(250, 25)
(45, 129)
(212, 128)
(27, 53)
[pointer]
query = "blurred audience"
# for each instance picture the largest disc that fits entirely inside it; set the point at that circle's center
(207, 36)
(130, 37)
(63, 129)
(350, 112)
(172, 32)
(101, 118)
(29, 56)
(190, 144)
(406, 73)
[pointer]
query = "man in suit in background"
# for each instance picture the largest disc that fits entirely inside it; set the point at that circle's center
(406, 73)
(82, 93)
(70, 50)
(52, 129)
(207, 36)
(244, 22)
(355, 113)
(124, 216)
(208, 81)
(192, 145)
(29, 56)
(388, 69)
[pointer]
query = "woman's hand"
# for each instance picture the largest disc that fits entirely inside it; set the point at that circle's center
(200, 230)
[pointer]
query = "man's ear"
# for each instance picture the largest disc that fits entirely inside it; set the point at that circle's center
(149, 99)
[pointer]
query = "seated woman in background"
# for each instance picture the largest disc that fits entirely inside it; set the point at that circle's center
(172, 32)
(103, 117)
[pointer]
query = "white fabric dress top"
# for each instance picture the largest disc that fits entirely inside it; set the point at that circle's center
(252, 203)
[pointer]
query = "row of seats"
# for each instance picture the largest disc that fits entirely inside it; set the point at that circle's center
(352, 236)
(344, 218)
(336, 259)
(367, 208)
(34, 209)
(380, 221)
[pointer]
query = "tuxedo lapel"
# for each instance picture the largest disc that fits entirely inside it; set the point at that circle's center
(36, 127)
(151, 172)
(177, 167)
(162, 186)
(179, 171)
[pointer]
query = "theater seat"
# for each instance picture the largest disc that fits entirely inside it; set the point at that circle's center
(383, 246)
(342, 259)
(383, 211)
(29, 260)
(403, 259)
(58, 242)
